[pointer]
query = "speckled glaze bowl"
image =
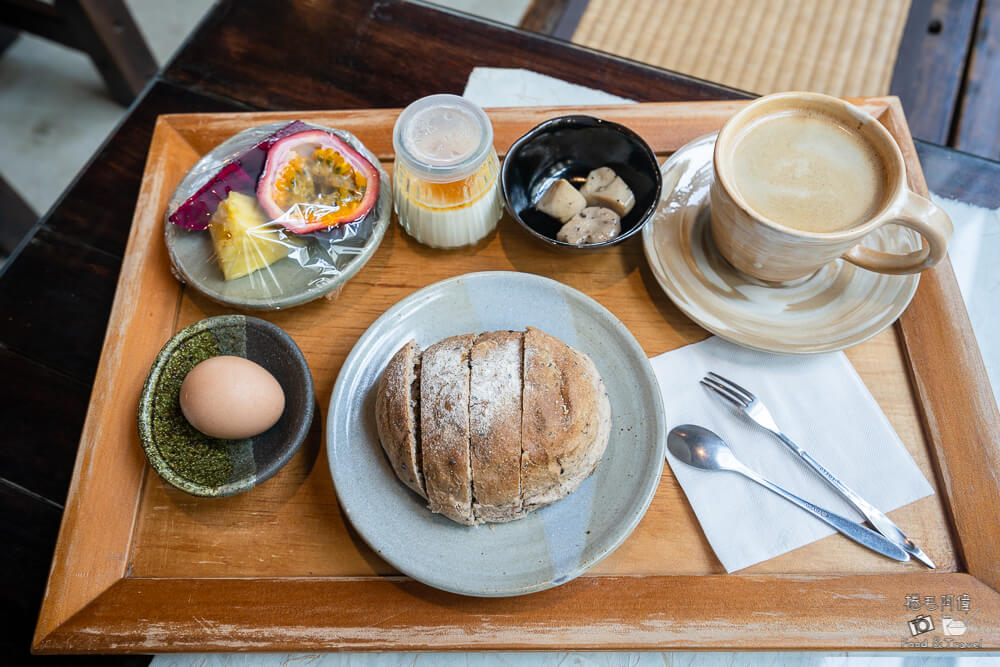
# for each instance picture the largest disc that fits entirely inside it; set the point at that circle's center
(571, 147)
(240, 464)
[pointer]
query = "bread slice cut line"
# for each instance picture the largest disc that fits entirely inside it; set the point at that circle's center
(495, 425)
(414, 395)
(468, 430)
(444, 416)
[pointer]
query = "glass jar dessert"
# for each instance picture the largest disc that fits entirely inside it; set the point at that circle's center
(446, 174)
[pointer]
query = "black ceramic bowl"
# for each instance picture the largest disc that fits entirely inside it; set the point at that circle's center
(245, 463)
(571, 147)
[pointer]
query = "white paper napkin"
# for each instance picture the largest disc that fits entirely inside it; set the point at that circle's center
(503, 87)
(819, 402)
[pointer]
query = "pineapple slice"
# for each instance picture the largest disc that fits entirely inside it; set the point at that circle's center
(245, 241)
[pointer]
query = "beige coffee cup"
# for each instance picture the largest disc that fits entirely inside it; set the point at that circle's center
(802, 178)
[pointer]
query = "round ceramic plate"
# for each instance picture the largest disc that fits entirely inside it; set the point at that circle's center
(837, 307)
(548, 547)
(316, 268)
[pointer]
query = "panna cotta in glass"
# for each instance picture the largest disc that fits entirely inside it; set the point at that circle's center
(446, 177)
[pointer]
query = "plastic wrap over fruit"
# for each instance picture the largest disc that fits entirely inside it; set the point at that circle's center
(278, 215)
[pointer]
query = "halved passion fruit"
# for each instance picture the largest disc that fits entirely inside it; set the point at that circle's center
(314, 180)
(239, 175)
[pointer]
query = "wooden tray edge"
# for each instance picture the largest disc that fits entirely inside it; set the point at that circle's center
(969, 442)
(833, 613)
(92, 496)
(942, 353)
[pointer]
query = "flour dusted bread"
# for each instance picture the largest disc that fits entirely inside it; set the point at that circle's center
(490, 427)
(397, 417)
(495, 425)
(444, 427)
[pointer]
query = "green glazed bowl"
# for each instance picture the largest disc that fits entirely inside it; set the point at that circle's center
(209, 467)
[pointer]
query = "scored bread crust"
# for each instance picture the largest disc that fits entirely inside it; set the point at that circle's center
(566, 422)
(580, 464)
(396, 418)
(495, 426)
(444, 427)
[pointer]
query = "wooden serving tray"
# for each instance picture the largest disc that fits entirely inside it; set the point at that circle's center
(141, 567)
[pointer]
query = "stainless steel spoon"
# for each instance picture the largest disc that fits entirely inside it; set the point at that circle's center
(700, 448)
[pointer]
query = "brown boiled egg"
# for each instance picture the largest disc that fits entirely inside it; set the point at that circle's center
(231, 398)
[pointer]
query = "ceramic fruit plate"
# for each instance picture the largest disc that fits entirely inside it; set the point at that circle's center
(837, 307)
(314, 268)
(550, 546)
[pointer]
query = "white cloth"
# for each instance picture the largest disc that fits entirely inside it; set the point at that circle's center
(501, 87)
(820, 403)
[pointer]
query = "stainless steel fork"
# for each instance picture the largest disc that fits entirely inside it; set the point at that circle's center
(755, 410)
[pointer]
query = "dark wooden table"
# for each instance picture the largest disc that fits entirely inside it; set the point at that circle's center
(56, 292)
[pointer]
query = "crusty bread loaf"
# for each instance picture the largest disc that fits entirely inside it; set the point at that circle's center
(397, 418)
(444, 427)
(566, 421)
(504, 422)
(495, 426)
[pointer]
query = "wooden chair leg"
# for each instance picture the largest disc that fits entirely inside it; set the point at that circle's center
(103, 29)
(16, 218)
(556, 18)
(7, 37)
(107, 32)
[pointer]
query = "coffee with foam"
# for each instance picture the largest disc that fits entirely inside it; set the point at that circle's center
(802, 178)
(806, 171)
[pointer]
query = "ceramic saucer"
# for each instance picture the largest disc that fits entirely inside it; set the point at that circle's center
(837, 307)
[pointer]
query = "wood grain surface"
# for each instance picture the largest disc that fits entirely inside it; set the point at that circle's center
(398, 52)
(945, 363)
(961, 176)
(782, 612)
(930, 64)
(135, 557)
(977, 129)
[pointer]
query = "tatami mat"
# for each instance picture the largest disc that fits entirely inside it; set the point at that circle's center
(840, 47)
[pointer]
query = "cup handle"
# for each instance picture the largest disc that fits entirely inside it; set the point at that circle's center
(924, 217)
